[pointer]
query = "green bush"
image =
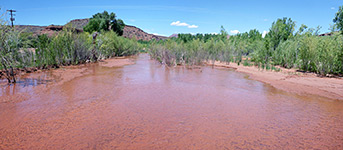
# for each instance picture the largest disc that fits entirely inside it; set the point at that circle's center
(304, 50)
(110, 45)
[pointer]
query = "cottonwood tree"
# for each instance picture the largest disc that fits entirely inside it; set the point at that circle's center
(105, 22)
(280, 31)
(338, 20)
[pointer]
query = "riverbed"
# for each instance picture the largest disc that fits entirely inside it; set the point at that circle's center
(146, 105)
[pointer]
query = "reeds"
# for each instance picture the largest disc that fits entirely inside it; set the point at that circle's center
(64, 48)
(306, 51)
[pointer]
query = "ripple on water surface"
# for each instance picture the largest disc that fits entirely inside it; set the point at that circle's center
(149, 106)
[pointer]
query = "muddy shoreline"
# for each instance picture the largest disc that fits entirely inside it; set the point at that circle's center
(291, 80)
(19, 72)
(43, 80)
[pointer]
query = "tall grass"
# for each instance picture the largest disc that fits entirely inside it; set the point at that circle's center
(11, 56)
(64, 48)
(306, 51)
(323, 55)
(110, 45)
(194, 52)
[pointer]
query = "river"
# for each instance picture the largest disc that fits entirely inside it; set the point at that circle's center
(149, 106)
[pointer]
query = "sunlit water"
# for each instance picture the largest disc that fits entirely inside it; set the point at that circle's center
(149, 106)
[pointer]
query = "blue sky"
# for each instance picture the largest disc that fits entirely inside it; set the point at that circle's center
(166, 17)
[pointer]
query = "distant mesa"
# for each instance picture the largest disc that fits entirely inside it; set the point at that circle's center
(78, 24)
(328, 34)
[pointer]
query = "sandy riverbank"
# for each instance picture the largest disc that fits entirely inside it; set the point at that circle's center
(293, 81)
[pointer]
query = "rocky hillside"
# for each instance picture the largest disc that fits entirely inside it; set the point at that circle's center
(129, 31)
(28, 28)
(78, 24)
(139, 34)
(37, 30)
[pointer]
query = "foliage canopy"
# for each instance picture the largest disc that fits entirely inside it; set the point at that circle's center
(338, 20)
(105, 22)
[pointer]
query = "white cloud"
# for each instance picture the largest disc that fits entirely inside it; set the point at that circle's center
(234, 31)
(332, 8)
(183, 24)
(264, 33)
(178, 23)
(193, 26)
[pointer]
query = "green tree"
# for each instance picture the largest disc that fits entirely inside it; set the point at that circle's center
(254, 35)
(280, 31)
(301, 30)
(338, 20)
(118, 26)
(105, 22)
(223, 32)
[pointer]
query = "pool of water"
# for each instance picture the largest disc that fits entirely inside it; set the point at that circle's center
(150, 106)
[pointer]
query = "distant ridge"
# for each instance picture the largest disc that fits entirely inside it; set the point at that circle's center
(78, 23)
(129, 30)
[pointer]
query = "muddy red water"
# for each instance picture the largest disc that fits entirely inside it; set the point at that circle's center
(149, 106)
